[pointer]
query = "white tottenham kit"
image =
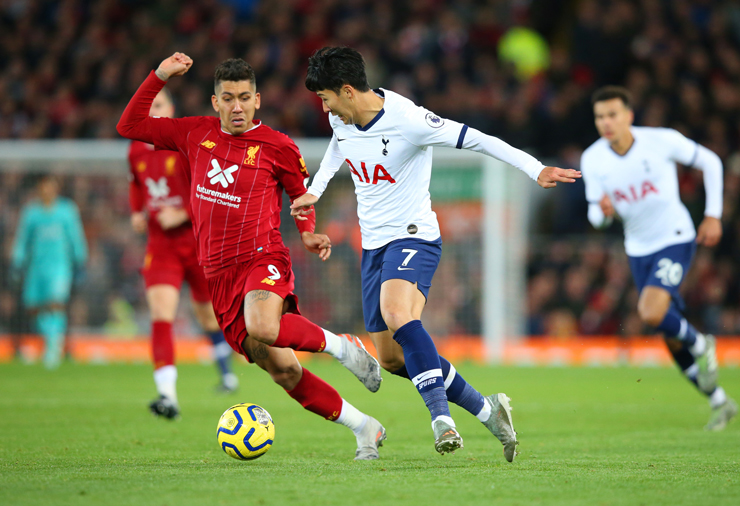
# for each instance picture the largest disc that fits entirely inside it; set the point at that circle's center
(643, 187)
(391, 164)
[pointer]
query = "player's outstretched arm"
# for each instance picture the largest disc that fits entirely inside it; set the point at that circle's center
(550, 176)
(453, 134)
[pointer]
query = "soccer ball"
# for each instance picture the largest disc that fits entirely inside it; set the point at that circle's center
(245, 431)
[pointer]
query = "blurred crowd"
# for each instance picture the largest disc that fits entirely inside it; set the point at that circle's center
(522, 70)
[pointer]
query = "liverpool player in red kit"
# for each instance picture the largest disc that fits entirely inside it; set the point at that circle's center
(238, 169)
(160, 199)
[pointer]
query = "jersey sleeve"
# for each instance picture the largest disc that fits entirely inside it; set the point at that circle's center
(422, 127)
(292, 174)
(329, 166)
(690, 153)
(680, 148)
(136, 124)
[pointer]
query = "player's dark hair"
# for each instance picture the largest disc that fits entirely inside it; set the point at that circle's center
(611, 92)
(234, 69)
(330, 68)
(48, 177)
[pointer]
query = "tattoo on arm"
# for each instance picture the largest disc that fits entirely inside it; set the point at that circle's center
(256, 296)
(260, 351)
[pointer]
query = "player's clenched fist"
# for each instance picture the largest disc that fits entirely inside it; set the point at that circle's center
(175, 65)
(551, 176)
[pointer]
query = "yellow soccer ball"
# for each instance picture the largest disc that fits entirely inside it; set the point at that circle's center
(245, 431)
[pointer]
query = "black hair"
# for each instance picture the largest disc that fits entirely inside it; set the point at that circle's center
(234, 69)
(611, 92)
(330, 68)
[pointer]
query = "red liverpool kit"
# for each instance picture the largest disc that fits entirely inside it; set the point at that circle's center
(236, 190)
(158, 179)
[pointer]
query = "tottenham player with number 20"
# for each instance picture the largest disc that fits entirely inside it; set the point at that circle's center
(630, 172)
(387, 142)
(238, 170)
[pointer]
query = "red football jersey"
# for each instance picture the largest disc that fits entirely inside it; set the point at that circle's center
(158, 179)
(236, 181)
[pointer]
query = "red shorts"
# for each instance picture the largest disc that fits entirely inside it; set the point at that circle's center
(170, 266)
(272, 272)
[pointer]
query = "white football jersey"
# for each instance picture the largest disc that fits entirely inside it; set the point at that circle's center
(643, 187)
(390, 160)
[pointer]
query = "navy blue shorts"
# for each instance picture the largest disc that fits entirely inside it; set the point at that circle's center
(665, 269)
(414, 260)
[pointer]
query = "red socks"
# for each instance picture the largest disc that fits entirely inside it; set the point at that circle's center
(298, 333)
(317, 396)
(163, 346)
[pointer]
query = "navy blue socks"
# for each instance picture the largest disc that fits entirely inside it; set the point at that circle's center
(423, 366)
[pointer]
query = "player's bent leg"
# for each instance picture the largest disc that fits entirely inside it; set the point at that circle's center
(221, 350)
(317, 396)
(657, 309)
(493, 413)
(262, 313)
(390, 353)
(401, 304)
(163, 300)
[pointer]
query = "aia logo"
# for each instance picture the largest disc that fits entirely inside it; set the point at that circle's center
(224, 177)
(157, 189)
(379, 174)
(208, 144)
(635, 194)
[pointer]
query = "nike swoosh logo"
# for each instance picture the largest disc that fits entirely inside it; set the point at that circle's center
(340, 140)
(405, 269)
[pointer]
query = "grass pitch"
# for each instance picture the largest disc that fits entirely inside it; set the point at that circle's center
(82, 435)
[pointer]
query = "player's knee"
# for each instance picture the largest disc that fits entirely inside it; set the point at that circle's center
(395, 318)
(650, 315)
(264, 331)
(287, 377)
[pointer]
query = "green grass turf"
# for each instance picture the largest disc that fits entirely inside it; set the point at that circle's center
(82, 435)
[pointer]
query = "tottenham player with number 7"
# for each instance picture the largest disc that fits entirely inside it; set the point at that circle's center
(238, 169)
(630, 172)
(387, 142)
